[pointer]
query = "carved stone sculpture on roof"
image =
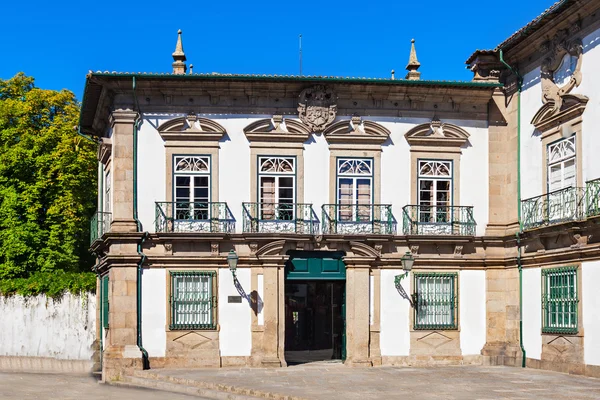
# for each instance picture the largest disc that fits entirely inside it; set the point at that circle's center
(317, 107)
(560, 74)
(277, 128)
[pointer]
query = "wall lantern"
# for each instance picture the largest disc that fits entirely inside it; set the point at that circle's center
(407, 261)
(232, 260)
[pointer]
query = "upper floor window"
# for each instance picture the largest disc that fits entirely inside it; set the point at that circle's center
(354, 189)
(191, 187)
(435, 190)
(277, 186)
(562, 170)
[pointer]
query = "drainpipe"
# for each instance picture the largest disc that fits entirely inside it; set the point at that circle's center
(519, 264)
(145, 360)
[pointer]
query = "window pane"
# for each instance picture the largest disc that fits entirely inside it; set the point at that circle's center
(267, 197)
(345, 193)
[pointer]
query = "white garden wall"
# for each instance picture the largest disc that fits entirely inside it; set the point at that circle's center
(40, 333)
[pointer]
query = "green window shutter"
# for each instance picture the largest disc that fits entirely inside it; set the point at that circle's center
(435, 301)
(104, 300)
(193, 302)
(560, 300)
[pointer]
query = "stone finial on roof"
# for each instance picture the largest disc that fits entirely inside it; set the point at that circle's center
(179, 67)
(413, 64)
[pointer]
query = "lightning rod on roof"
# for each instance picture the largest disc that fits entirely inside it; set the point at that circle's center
(300, 37)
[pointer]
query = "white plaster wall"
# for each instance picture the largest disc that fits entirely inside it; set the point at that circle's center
(590, 87)
(235, 319)
(590, 297)
(151, 170)
(532, 312)
(316, 172)
(154, 311)
(42, 327)
(395, 315)
(472, 311)
(532, 164)
(234, 165)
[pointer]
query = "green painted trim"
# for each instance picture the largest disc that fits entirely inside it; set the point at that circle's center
(567, 271)
(315, 270)
(454, 301)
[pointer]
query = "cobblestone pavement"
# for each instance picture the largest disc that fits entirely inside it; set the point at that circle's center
(66, 387)
(335, 381)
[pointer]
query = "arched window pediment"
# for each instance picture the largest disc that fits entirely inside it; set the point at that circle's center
(191, 128)
(356, 130)
(277, 128)
(437, 133)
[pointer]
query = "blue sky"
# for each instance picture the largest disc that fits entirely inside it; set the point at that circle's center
(59, 42)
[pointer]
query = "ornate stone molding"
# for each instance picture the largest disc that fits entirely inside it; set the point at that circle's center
(122, 117)
(317, 107)
(191, 128)
(437, 133)
(361, 249)
(562, 50)
(356, 131)
(277, 129)
(548, 116)
(271, 249)
(104, 150)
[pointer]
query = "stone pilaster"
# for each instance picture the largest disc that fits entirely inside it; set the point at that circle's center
(274, 310)
(122, 123)
(121, 351)
(357, 315)
(502, 318)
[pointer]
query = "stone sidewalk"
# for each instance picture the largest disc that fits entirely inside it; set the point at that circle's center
(335, 381)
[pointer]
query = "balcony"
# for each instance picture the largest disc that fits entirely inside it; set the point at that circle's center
(202, 217)
(99, 225)
(563, 205)
(280, 218)
(358, 219)
(438, 220)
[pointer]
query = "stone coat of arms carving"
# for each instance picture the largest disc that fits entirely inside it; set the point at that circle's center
(317, 107)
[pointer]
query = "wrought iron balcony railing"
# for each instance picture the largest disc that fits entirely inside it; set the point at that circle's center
(564, 205)
(438, 220)
(186, 216)
(99, 225)
(280, 218)
(554, 208)
(376, 219)
(592, 195)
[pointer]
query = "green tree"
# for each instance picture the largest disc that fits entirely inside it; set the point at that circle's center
(47, 181)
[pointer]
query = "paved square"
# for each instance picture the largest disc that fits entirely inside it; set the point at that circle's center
(335, 381)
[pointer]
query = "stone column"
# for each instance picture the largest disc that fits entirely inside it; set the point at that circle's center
(357, 314)
(375, 327)
(272, 351)
(122, 123)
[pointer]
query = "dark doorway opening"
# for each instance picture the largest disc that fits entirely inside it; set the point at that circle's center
(314, 320)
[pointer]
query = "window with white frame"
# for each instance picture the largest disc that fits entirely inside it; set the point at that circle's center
(354, 189)
(435, 191)
(562, 170)
(277, 187)
(191, 187)
(193, 301)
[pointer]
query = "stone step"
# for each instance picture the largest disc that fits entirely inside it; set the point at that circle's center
(223, 389)
(167, 386)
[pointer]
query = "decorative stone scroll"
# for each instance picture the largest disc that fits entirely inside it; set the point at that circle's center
(355, 130)
(317, 107)
(277, 128)
(561, 73)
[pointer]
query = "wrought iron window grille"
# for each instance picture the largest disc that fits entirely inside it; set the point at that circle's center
(193, 301)
(435, 301)
(186, 216)
(560, 300)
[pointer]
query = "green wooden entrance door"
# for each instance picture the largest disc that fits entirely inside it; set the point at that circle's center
(308, 273)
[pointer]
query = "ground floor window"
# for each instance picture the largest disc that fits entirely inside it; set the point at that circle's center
(104, 301)
(559, 300)
(435, 301)
(193, 300)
